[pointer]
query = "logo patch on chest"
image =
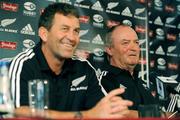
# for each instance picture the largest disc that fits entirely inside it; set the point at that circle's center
(122, 86)
(75, 86)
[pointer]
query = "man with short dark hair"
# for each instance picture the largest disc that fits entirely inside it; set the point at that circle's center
(51, 59)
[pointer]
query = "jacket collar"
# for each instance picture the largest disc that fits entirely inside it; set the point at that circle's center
(43, 63)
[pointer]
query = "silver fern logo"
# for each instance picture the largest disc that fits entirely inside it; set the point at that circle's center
(112, 5)
(7, 22)
(77, 81)
(139, 11)
(78, 1)
(83, 32)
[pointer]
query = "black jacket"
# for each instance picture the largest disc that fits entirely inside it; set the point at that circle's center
(63, 94)
(134, 89)
(113, 77)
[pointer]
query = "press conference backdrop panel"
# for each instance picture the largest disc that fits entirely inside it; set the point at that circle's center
(155, 21)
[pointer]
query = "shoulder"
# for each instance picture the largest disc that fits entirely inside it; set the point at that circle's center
(99, 59)
(27, 56)
(22, 57)
(82, 68)
(82, 63)
(19, 60)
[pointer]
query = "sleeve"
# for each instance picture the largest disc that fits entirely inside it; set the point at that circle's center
(172, 103)
(25, 76)
(19, 85)
(19, 74)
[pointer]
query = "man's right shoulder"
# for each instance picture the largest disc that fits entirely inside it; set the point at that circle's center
(22, 58)
(20, 64)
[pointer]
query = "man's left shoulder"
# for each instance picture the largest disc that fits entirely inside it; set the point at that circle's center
(85, 64)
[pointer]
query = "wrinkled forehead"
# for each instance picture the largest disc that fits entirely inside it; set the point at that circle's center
(124, 35)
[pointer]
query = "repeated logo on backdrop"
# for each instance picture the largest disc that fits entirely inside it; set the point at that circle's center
(163, 37)
(9, 6)
(5, 25)
(19, 19)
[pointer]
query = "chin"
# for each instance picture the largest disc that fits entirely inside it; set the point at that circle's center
(68, 56)
(133, 63)
(64, 56)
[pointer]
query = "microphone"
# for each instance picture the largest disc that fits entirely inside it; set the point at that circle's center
(165, 85)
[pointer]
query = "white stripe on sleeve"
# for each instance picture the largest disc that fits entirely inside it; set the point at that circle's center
(15, 71)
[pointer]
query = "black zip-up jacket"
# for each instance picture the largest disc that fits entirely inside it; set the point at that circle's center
(64, 93)
(112, 77)
(134, 89)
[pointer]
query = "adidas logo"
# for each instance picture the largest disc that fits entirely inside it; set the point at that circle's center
(160, 51)
(126, 12)
(98, 40)
(27, 30)
(158, 21)
(97, 6)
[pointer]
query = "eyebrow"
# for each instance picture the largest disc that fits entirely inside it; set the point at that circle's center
(129, 40)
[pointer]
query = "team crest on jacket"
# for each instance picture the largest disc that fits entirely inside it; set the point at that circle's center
(100, 73)
(75, 85)
(122, 86)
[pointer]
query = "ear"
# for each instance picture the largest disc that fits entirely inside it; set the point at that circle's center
(43, 33)
(108, 51)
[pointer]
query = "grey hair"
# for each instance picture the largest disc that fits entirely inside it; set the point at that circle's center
(108, 39)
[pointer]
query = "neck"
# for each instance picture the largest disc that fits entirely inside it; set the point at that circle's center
(54, 63)
(129, 68)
